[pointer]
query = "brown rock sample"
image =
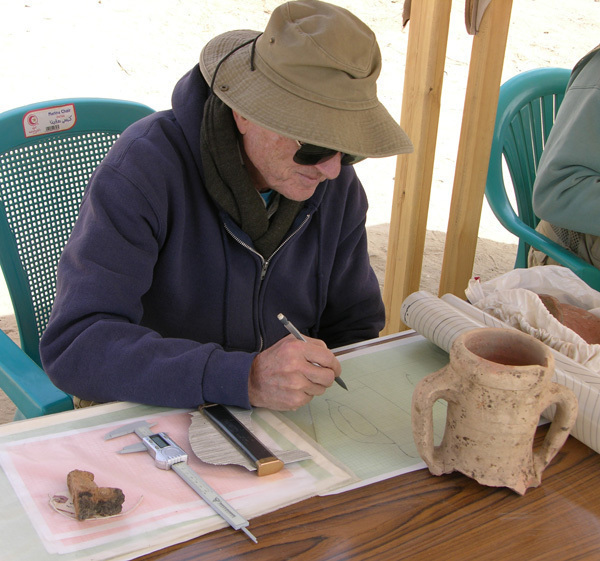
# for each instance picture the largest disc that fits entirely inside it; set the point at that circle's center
(90, 500)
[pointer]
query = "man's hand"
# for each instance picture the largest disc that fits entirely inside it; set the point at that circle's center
(283, 377)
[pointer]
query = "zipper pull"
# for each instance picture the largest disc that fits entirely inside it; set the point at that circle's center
(263, 271)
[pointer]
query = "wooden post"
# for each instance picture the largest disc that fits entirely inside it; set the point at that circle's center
(425, 60)
(481, 100)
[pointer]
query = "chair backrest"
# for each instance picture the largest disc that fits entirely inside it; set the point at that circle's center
(527, 108)
(47, 153)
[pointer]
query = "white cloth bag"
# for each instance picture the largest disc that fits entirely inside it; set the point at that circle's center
(513, 299)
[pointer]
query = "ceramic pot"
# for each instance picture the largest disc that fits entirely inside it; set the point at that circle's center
(497, 384)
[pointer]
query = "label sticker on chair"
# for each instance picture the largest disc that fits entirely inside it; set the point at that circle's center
(49, 120)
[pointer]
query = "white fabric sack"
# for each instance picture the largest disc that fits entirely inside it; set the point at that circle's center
(512, 298)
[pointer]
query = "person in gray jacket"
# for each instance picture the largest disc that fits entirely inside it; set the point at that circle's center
(206, 221)
(566, 192)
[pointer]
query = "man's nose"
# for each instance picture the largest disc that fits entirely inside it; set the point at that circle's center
(331, 168)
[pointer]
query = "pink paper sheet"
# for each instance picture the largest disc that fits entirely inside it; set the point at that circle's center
(38, 468)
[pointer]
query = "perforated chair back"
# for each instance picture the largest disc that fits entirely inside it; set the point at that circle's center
(527, 109)
(47, 153)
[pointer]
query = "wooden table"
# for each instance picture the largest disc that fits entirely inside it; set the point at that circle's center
(419, 516)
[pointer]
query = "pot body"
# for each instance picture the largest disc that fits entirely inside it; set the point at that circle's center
(497, 385)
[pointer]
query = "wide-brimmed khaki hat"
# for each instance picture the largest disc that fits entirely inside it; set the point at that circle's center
(310, 76)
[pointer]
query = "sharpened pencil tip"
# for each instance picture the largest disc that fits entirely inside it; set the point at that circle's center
(341, 383)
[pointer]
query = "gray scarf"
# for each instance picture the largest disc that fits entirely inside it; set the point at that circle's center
(229, 185)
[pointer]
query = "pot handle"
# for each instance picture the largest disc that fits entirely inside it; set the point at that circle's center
(439, 385)
(564, 420)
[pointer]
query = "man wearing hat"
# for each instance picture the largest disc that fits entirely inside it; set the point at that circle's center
(205, 222)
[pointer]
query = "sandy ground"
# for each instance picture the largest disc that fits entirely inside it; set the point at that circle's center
(138, 49)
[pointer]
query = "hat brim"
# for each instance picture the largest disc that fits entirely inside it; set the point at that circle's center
(371, 133)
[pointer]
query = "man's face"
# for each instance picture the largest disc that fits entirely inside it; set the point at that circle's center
(269, 157)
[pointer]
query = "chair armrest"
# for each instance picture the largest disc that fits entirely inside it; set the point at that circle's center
(581, 268)
(26, 384)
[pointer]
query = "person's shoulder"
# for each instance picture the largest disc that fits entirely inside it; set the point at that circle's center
(151, 128)
(586, 73)
(151, 142)
(147, 158)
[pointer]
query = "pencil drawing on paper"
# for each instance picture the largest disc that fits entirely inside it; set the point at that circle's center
(369, 427)
(354, 425)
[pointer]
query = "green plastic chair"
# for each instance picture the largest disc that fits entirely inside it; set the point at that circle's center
(48, 151)
(527, 109)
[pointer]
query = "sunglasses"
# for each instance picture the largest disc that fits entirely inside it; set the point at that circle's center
(311, 155)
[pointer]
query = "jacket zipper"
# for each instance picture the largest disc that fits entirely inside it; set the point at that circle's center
(265, 262)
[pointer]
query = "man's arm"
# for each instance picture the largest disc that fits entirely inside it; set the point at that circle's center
(566, 192)
(354, 309)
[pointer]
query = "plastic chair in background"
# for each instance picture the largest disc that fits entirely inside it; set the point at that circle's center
(47, 153)
(527, 108)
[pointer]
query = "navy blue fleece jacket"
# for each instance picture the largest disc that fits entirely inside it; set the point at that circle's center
(161, 297)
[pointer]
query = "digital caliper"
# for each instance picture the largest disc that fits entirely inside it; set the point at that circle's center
(168, 455)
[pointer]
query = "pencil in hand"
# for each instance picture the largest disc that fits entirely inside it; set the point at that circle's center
(292, 329)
